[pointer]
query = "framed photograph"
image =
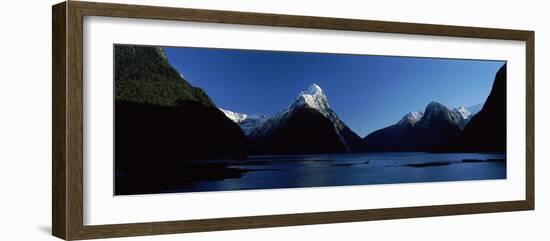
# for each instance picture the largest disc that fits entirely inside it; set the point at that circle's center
(171, 120)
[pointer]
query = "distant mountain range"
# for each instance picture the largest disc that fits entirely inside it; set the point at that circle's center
(421, 130)
(159, 115)
(416, 131)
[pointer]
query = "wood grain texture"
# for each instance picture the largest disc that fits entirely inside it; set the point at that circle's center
(530, 120)
(59, 182)
(122, 230)
(74, 121)
(67, 79)
(279, 20)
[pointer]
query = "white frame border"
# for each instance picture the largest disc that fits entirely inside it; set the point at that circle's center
(100, 207)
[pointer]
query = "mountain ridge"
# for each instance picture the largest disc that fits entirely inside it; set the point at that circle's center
(160, 116)
(486, 131)
(313, 101)
(414, 124)
(417, 130)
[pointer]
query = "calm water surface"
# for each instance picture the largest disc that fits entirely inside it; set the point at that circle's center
(267, 172)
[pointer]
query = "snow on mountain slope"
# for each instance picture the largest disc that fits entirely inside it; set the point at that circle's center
(468, 112)
(234, 116)
(258, 127)
(411, 118)
(436, 111)
(252, 123)
(417, 131)
(462, 112)
(248, 123)
(314, 98)
(460, 115)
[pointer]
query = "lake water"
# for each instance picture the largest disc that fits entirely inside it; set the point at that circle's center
(266, 172)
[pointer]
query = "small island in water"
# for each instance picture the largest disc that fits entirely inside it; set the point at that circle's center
(262, 119)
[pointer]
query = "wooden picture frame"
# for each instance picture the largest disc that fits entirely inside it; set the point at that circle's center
(67, 150)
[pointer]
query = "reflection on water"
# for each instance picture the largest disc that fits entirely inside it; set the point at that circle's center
(265, 172)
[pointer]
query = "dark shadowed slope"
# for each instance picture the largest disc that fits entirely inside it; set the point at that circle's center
(398, 137)
(160, 116)
(416, 131)
(305, 131)
(307, 126)
(486, 132)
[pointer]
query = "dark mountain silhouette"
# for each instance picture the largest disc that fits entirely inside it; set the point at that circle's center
(307, 126)
(160, 116)
(305, 131)
(353, 141)
(398, 137)
(438, 125)
(486, 132)
(438, 129)
(416, 131)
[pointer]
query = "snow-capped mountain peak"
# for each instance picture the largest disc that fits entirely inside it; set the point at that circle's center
(412, 117)
(463, 112)
(248, 123)
(258, 127)
(436, 111)
(234, 116)
(314, 89)
(314, 98)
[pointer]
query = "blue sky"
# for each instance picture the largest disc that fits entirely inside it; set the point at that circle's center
(367, 92)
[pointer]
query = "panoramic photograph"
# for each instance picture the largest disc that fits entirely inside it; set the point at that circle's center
(190, 119)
